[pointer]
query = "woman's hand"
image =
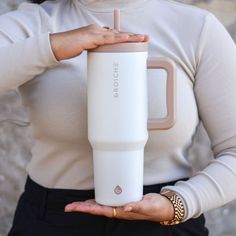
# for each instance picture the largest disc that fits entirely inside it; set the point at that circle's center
(153, 207)
(71, 43)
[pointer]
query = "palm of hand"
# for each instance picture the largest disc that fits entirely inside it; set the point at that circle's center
(153, 207)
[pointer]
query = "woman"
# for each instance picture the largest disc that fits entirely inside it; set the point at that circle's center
(47, 45)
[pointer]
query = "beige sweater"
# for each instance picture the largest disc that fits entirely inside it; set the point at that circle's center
(55, 93)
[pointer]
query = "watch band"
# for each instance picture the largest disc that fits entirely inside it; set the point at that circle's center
(179, 211)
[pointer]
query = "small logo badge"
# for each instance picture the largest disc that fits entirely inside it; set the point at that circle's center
(118, 190)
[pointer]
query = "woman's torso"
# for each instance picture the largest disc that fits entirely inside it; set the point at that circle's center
(57, 99)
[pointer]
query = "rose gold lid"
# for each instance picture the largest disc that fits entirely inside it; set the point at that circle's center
(122, 47)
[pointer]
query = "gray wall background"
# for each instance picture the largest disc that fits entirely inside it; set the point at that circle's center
(15, 141)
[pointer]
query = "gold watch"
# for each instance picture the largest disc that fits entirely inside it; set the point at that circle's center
(179, 211)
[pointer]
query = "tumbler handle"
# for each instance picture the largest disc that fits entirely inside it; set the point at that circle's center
(169, 66)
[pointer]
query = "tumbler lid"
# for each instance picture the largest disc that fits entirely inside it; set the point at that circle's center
(122, 47)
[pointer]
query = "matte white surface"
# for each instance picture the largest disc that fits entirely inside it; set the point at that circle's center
(118, 169)
(117, 124)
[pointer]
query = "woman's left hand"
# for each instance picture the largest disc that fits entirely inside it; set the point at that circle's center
(153, 207)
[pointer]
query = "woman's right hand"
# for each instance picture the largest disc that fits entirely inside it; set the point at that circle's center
(69, 44)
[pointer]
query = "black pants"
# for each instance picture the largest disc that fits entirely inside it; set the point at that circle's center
(40, 212)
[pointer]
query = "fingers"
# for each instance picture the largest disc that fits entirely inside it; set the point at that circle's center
(111, 36)
(152, 207)
(107, 28)
(89, 206)
(126, 36)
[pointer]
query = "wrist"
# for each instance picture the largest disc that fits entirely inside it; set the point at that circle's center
(55, 45)
(65, 45)
(178, 208)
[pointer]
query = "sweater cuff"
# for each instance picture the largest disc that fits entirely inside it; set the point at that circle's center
(209, 188)
(45, 48)
(187, 198)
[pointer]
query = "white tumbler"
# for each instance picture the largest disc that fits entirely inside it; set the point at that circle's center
(118, 117)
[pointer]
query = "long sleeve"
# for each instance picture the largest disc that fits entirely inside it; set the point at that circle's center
(215, 92)
(25, 49)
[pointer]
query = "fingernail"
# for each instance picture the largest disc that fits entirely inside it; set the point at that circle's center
(68, 209)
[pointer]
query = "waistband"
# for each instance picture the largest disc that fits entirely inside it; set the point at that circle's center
(53, 198)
